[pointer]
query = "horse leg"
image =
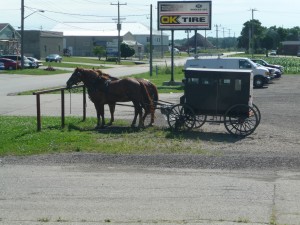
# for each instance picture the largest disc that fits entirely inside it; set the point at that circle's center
(112, 111)
(140, 113)
(98, 116)
(146, 113)
(100, 113)
(135, 114)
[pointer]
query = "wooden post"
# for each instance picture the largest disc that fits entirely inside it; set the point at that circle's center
(62, 108)
(84, 103)
(38, 112)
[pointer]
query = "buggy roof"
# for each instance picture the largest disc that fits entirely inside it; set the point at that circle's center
(217, 70)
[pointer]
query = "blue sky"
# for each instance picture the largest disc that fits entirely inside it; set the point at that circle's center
(228, 15)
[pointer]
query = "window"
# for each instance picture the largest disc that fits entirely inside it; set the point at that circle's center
(193, 80)
(206, 81)
(224, 81)
(238, 85)
(243, 64)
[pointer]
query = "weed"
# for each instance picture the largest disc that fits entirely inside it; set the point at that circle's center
(44, 220)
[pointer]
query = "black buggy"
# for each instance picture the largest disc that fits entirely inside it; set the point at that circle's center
(218, 96)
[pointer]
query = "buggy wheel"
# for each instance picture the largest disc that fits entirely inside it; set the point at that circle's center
(199, 121)
(256, 109)
(181, 117)
(241, 120)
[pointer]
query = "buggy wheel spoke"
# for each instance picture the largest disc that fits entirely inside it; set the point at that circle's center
(181, 117)
(241, 120)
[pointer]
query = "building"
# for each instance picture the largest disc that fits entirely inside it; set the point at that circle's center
(80, 38)
(39, 43)
(290, 47)
(9, 39)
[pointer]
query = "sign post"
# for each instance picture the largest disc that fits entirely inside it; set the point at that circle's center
(183, 15)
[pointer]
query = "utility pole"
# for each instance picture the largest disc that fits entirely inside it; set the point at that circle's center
(217, 34)
(119, 30)
(251, 32)
(151, 42)
(22, 34)
(195, 42)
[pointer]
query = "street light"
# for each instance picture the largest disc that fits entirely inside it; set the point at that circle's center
(22, 30)
(34, 12)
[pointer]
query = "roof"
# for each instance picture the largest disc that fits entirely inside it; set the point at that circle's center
(102, 29)
(3, 25)
(291, 42)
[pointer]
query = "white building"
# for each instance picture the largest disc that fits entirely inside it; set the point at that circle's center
(80, 38)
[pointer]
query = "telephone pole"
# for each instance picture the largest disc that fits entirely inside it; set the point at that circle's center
(119, 30)
(217, 34)
(251, 44)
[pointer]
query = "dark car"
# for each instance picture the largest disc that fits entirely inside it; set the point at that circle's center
(10, 64)
(37, 62)
(53, 58)
(264, 63)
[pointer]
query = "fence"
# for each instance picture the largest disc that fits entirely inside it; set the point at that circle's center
(62, 90)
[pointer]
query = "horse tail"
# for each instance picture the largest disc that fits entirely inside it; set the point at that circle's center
(154, 93)
(147, 100)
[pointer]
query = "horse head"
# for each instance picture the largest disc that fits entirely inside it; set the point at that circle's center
(75, 78)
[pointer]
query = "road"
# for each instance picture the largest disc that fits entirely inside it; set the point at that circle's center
(253, 181)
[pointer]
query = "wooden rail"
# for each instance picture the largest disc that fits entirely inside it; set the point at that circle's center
(62, 90)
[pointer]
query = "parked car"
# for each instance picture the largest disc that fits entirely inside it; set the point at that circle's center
(298, 54)
(53, 58)
(17, 58)
(10, 64)
(2, 67)
(175, 50)
(273, 52)
(36, 61)
(265, 63)
(274, 73)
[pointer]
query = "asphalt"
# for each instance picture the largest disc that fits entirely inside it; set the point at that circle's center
(35, 191)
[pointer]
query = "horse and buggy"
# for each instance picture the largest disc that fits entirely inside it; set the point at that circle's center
(210, 95)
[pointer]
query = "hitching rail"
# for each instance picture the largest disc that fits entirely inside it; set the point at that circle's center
(62, 90)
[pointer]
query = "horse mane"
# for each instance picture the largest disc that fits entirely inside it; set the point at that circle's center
(105, 75)
(92, 74)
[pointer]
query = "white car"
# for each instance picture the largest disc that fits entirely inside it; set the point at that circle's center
(175, 50)
(2, 67)
(36, 61)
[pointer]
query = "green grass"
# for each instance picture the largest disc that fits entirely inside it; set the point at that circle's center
(18, 136)
(74, 65)
(164, 75)
(94, 60)
(35, 72)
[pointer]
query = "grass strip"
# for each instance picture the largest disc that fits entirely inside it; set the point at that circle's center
(18, 136)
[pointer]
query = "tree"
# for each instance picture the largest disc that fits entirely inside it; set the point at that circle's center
(126, 50)
(254, 29)
(99, 51)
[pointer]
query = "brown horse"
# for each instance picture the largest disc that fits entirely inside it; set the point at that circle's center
(102, 91)
(151, 88)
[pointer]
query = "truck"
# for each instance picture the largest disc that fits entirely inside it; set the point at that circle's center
(261, 75)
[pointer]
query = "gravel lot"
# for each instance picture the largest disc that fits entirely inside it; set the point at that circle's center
(274, 145)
